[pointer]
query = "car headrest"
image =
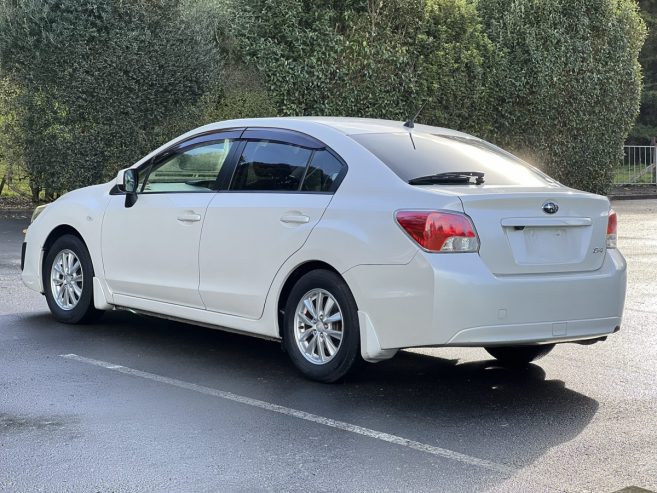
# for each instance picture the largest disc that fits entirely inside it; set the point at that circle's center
(271, 170)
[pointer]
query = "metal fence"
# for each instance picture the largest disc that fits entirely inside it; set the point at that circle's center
(638, 167)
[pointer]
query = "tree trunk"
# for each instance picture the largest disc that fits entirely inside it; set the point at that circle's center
(35, 192)
(2, 183)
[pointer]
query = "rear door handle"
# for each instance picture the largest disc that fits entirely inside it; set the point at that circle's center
(189, 218)
(295, 219)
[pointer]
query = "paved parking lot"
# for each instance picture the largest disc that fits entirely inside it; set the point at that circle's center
(139, 404)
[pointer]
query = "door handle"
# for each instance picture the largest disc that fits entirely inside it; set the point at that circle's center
(189, 218)
(295, 219)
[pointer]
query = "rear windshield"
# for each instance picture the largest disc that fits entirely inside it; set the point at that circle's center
(427, 154)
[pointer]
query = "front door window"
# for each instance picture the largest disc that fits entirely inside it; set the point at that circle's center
(192, 170)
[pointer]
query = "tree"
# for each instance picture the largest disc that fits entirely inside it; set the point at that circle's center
(455, 67)
(646, 125)
(10, 163)
(568, 82)
(99, 82)
(92, 85)
(368, 58)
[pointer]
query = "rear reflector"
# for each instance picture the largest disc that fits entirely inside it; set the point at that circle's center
(612, 229)
(23, 255)
(438, 231)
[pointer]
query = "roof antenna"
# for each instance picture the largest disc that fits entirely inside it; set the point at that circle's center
(411, 122)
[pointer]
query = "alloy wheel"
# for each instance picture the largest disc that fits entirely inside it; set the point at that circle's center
(66, 280)
(318, 326)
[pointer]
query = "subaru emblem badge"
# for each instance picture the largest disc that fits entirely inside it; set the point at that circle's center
(550, 208)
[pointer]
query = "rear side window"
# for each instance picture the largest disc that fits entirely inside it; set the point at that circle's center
(427, 154)
(270, 166)
(323, 172)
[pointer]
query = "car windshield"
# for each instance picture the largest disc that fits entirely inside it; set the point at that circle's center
(417, 155)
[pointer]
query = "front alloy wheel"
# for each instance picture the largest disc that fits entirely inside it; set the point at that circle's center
(68, 281)
(321, 332)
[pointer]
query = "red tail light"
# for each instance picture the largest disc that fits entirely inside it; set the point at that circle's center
(440, 231)
(612, 229)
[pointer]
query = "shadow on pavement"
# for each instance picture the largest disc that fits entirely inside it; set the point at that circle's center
(477, 408)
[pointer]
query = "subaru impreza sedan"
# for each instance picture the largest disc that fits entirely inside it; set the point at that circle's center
(345, 239)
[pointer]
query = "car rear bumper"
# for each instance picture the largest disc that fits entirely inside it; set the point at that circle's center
(454, 300)
(536, 333)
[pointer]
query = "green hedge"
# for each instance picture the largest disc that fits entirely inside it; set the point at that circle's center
(368, 59)
(456, 65)
(568, 82)
(91, 85)
(555, 80)
(646, 127)
(100, 82)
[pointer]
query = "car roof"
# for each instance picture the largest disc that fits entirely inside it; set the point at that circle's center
(355, 126)
(345, 125)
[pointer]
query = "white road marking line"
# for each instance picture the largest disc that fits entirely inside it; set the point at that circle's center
(341, 425)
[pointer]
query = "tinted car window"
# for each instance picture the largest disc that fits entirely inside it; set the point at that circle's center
(427, 154)
(192, 170)
(322, 172)
(270, 166)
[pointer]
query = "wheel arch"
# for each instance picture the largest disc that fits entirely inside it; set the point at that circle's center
(297, 273)
(58, 232)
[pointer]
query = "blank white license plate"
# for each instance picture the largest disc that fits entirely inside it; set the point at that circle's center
(545, 245)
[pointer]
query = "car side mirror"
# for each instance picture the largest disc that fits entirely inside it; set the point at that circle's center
(130, 185)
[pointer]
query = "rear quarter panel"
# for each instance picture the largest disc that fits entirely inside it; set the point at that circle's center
(359, 225)
(359, 228)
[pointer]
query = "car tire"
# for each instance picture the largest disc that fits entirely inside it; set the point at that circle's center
(69, 288)
(321, 331)
(519, 355)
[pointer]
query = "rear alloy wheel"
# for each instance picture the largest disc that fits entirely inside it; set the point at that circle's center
(68, 281)
(519, 355)
(321, 332)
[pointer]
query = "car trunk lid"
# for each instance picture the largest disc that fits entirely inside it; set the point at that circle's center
(519, 235)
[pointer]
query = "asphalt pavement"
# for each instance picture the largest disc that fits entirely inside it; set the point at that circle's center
(133, 404)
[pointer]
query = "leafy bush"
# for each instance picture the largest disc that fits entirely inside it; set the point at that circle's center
(239, 94)
(455, 65)
(646, 126)
(100, 82)
(369, 58)
(10, 161)
(567, 82)
(91, 85)
(556, 80)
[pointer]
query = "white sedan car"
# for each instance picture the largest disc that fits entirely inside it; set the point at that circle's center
(346, 239)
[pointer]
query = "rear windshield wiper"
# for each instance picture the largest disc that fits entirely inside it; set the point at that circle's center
(450, 178)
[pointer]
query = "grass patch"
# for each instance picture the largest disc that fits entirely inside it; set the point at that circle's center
(626, 175)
